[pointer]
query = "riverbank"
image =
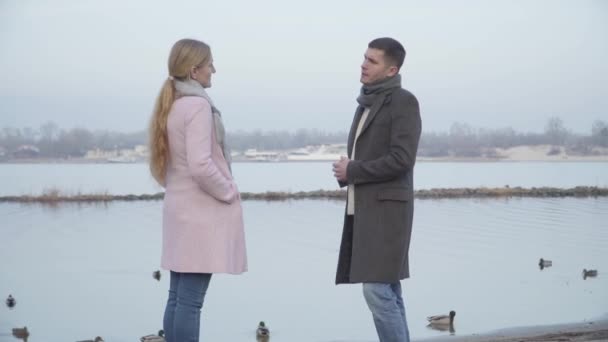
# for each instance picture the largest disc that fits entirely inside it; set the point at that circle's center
(574, 332)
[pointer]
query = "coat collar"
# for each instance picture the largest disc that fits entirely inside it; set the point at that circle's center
(375, 108)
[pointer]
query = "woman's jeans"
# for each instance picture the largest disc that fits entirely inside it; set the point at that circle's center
(182, 319)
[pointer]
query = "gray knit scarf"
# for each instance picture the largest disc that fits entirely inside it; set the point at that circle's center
(193, 88)
(370, 92)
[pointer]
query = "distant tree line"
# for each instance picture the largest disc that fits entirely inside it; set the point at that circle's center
(280, 140)
(461, 140)
(52, 142)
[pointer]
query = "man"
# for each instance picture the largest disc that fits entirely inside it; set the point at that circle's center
(379, 172)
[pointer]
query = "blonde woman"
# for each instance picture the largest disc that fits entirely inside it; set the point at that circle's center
(202, 216)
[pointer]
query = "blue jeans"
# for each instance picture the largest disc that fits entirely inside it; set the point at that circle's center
(182, 321)
(386, 304)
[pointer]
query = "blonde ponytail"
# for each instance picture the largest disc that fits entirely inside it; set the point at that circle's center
(159, 141)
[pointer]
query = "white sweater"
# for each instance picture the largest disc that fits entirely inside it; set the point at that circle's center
(350, 204)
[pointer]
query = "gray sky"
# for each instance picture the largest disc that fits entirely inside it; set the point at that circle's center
(287, 65)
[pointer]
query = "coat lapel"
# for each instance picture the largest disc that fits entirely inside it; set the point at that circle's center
(374, 110)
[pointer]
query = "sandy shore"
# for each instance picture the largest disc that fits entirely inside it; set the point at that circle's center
(543, 153)
(537, 153)
(330, 153)
(584, 331)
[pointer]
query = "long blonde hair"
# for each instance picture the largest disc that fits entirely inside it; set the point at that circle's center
(185, 54)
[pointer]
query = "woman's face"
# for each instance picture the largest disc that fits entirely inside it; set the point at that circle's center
(202, 73)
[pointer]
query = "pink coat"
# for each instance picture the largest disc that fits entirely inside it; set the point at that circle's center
(202, 215)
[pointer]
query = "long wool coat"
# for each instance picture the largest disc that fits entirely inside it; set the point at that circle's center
(376, 239)
(202, 215)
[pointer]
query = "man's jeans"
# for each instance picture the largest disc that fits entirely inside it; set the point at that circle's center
(182, 319)
(386, 304)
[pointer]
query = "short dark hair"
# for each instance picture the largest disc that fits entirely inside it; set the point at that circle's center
(393, 50)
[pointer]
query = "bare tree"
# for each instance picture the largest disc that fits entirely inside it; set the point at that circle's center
(599, 133)
(555, 131)
(463, 140)
(49, 131)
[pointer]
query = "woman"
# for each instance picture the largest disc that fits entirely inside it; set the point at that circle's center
(202, 216)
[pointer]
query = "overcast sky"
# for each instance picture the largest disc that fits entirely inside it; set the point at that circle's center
(295, 64)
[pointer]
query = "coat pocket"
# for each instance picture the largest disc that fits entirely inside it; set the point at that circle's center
(394, 194)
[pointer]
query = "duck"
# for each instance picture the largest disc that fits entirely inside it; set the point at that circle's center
(589, 273)
(10, 301)
(21, 333)
(442, 319)
(156, 275)
(542, 263)
(97, 339)
(160, 337)
(262, 333)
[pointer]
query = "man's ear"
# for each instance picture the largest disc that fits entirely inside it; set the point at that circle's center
(393, 70)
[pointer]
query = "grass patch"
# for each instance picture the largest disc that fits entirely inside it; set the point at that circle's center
(54, 196)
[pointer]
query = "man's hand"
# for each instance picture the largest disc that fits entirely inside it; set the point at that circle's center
(340, 168)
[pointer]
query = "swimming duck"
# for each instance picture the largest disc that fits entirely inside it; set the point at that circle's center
(262, 333)
(160, 337)
(442, 319)
(10, 301)
(21, 333)
(97, 339)
(589, 273)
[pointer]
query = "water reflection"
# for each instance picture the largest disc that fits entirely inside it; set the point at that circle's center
(58, 206)
(443, 328)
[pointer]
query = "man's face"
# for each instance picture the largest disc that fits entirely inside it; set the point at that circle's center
(375, 67)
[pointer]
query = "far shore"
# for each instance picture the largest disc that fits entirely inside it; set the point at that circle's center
(330, 153)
